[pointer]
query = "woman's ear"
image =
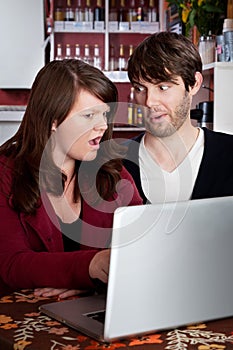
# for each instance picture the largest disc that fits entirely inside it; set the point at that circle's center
(196, 87)
(54, 126)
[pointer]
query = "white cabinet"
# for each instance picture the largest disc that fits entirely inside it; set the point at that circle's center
(223, 96)
(22, 26)
(222, 75)
(10, 119)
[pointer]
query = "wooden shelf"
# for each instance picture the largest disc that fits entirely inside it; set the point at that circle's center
(117, 76)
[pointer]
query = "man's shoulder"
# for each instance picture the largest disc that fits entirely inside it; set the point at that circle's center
(134, 140)
(215, 136)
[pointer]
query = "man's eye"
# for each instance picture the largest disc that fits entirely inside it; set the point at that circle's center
(139, 89)
(163, 87)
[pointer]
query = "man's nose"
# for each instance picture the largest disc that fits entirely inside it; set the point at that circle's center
(151, 98)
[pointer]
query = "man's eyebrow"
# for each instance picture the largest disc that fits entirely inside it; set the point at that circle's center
(136, 82)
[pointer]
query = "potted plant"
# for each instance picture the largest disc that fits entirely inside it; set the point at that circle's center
(206, 15)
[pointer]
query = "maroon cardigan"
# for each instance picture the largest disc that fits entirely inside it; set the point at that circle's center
(31, 246)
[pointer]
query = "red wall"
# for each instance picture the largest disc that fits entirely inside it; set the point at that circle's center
(14, 97)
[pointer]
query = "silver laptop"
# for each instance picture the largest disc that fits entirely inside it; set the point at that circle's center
(171, 265)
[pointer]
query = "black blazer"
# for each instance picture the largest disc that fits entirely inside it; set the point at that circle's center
(215, 176)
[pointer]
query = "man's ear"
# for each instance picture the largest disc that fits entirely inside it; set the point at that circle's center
(196, 87)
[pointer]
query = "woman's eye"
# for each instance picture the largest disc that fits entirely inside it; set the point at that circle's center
(163, 87)
(89, 115)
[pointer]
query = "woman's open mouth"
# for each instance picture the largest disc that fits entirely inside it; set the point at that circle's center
(95, 142)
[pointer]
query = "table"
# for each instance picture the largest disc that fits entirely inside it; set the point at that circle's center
(22, 326)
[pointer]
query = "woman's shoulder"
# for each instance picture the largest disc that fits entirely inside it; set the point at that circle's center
(6, 165)
(125, 174)
(129, 191)
(6, 170)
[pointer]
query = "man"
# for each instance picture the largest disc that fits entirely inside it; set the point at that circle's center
(173, 160)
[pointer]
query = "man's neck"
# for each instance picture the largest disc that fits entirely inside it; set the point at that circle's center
(169, 152)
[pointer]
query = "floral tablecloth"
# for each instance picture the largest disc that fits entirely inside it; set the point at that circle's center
(22, 326)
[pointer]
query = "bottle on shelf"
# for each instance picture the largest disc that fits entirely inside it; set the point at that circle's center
(152, 11)
(88, 12)
(77, 55)
(68, 51)
(87, 56)
(121, 59)
(122, 12)
(139, 117)
(79, 14)
(69, 12)
(97, 61)
(59, 12)
(142, 11)
(112, 11)
(58, 56)
(131, 48)
(131, 108)
(132, 12)
(112, 59)
(99, 11)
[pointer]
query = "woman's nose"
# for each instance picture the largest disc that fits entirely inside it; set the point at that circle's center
(101, 124)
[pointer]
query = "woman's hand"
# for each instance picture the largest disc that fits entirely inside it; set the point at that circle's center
(99, 266)
(61, 293)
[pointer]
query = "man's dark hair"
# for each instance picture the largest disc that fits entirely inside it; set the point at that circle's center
(162, 57)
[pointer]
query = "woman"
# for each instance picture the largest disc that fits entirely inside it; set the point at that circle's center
(53, 182)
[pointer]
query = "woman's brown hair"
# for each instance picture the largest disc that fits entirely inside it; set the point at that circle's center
(52, 96)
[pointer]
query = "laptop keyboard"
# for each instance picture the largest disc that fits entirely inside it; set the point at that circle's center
(98, 316)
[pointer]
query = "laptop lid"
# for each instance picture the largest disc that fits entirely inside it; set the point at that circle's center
(170, 265)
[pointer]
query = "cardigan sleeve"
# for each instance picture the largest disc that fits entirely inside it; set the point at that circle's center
(31, 254)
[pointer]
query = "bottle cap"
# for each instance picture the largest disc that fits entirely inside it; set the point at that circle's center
(227, 25)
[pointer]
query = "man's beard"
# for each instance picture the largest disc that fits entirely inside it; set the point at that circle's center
(165, 128)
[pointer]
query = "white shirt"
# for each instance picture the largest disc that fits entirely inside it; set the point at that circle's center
(161, 186)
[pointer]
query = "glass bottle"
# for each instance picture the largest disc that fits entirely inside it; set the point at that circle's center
(59, 12)
(99, 11)
(112, 59)
(131, 107)
(141, 11)
(122, 12)
(121, 59)
(79, 15)
(139, 117)
(68, 51)
(206, 48)
(77, 55)
(97, 61)
(113, 11)
(88, 12)
(131, 48)
(58, 56)
(152, 11)
(69, 12)
(87, 56)
(132, 12)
